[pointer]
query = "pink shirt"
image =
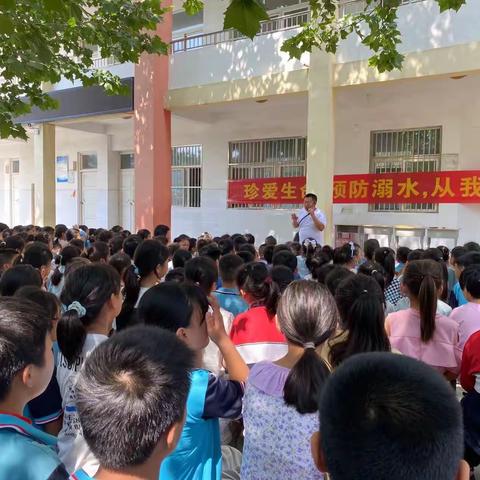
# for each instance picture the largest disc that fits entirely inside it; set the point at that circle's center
(468, 318)
(441, 352)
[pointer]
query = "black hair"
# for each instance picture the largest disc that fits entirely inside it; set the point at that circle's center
(120, 262)
(116, 244)
(281, 247)
(238, 241)
(253, 278)
(175, 275)
(346, 253)
(91, 286)
(445, 252)
(181, 237)
(270, 240)
(17, 277)
(180, 257)
(38, 255)
(286, 258)
(202, 271)
(193, 243)
(212, 250)
(386, 258)
(472, 247)
(131, 243)
(402, 254)
(23, 332)
(3, 226)
(470, 258)
(307, 316)
(7, 257)
(98, 252)
(117, 229)
(48, 301)
(171, 305)
(228, 267)
(415, 255)
(402, 420)
(298, 249)
(247, 257)
(323, 271)
(144, 234)
(470, 280)
(376, 271)
(248, 247)
(71, 233)
(132, 378)
(315, 262)
(161, 231)
(15, 242)
(226, 246)
(369, 248)
(312, 196)
(282, 276)
(68, 254)
(360, 301)
(336, 276)
(423, 278)
(436, 255)
(60, 231)
(458, 252)
(268, 253)
(163, 240)
(250, 238)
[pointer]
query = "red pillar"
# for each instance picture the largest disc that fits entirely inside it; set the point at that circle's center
(153, 195)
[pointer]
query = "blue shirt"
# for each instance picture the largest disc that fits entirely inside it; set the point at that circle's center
(27, 453)
(231, 301)
(457, 291)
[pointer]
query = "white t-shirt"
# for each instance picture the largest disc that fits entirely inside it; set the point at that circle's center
(72, 448)
(307, 228)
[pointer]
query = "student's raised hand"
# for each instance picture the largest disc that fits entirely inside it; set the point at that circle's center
(215, 326)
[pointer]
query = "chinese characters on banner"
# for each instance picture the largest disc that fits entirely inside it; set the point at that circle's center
(431, 187)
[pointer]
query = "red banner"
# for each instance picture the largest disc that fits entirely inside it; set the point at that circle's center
(263, 191)
(431, 187)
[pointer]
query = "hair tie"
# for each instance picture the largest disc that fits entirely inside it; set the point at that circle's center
(136, 271)
(374, 271)
(77, 307)
(365, 292)
(309, 345)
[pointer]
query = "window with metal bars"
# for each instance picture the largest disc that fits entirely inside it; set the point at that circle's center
(412, 150)
(187, 176)
(266, 158)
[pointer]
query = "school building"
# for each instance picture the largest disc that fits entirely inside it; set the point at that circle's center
(222, 108)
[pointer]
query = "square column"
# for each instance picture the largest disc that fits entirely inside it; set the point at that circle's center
(153, 183)
(321, 136)
(44, 182)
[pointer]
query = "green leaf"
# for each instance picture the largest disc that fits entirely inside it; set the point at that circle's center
(7, 5)
(245, 16)
(54, 5)
(192, 7)
(6, 24)
(451, 4)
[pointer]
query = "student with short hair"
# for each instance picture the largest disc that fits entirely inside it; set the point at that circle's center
(39, 256)
(17, 277)
(334, 276)
(8, 257)
(468, 315)
(228, 295)
(401, 259)
(26, 367)
(92, 300)
(286, 258)
(389, 417)
(420, 332)
(281, 398)
(142, 376)
(469, 258)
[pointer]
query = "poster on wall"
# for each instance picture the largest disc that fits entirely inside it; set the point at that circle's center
(62, 169)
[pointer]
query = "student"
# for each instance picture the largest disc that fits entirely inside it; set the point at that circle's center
(46, 410)
(8, 257)
(348, 255)
(228, 295)
(401, 259)
(57, 280)
(470, 258)
(334, 275)
(130, 244)
(99, 252)
(389, 417)
(183, 310)
(142, 374)
(92, 300)
(26, 367)
(17, 277)
(468, 315)
(161, 231)
(183, 242)
(377, 272)
(288, 259)
(255, 332)
(369, 248)
(180, 258)
(280, 404)
(386, 258)
(39, 256)
(420, 332)
(360, 302)
(282, 276)
(176, 275)
(144, 234)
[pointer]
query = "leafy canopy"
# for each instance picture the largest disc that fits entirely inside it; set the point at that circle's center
(42, 41)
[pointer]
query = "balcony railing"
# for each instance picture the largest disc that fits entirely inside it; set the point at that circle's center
(275, 25)
(350, 7)
(104, 62)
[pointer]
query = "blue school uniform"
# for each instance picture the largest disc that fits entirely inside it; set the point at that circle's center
(457, 291)
(198, 455)
(231, 300)
(27, 453)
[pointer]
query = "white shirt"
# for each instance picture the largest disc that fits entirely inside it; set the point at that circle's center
(72, 447)
(307, 228)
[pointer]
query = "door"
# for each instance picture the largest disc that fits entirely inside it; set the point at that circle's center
(6, 192)
(127, 199)
(88, 198)
(16, 198)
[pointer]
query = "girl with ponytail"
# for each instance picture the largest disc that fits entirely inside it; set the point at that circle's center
(280, 405)
(420, 332)
(91, 299)
(360, 302)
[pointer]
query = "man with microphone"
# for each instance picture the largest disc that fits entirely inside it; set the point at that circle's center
(310, 221)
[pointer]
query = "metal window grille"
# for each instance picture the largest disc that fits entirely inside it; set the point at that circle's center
(187, 176)
(127, 161)
(266, 158)
(412, 150)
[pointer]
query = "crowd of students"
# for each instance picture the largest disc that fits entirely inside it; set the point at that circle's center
(130, 356)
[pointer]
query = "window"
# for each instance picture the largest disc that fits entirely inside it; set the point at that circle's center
(127, 161)
(187, 176)
(88, 161)
(268, 158)
(15, 166)
(413, 150)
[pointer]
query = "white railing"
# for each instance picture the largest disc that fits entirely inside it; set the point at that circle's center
(104, 62)
(286, 22)
(350, 7)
